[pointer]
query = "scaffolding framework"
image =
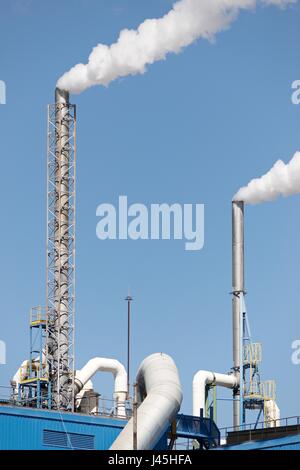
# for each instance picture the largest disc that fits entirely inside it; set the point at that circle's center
(61, 169)
(254, 393)
(34, 388)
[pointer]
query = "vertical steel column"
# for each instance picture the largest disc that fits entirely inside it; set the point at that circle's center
(135, 411)
(238, 288)
(128, 300)
(61, 249)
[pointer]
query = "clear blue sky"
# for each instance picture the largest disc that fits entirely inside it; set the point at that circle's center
(192, 130)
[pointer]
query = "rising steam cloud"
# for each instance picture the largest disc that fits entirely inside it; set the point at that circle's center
(282, 180)
(155, 38)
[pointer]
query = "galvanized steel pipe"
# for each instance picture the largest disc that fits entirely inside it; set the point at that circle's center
(238, 287)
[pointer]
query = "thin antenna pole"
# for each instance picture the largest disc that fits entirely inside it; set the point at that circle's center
(128, 299)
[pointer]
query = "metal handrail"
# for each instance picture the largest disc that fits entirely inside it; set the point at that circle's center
(5, 393)
(252, 427)
(106, 406)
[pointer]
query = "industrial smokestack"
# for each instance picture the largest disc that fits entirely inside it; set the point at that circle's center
(238, 288)
(281, 180)
(61, 97)
(134, 50)
(60, 252)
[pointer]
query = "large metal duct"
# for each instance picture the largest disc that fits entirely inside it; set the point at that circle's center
(238, 288)
(160, 394)
(60, 251)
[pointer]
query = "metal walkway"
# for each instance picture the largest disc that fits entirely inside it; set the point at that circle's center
(202, 430)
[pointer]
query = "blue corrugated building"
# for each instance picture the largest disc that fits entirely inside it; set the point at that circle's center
(29, 428)
(25, 428)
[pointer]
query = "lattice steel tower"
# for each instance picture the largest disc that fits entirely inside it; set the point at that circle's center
(61, 249)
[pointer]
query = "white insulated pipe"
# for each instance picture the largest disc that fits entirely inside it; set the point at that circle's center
(203, 378)
(272, 414)
(160, 392)
(103, 364)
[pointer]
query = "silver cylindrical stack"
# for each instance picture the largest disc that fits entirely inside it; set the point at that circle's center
(60, 384)
(62, 238)
(238, 288)
(61, 173)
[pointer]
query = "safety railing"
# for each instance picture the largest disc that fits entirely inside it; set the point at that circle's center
(38, 315)
(94, 404)
(185, 444)
(97, 405)
(280, 426)
(5, 394)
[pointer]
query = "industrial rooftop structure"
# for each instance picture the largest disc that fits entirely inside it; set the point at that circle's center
(53, 405)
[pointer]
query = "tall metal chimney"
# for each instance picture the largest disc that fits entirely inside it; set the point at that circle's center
(238, 288)
(61, 249)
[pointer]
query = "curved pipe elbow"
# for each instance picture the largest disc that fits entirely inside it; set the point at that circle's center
(102, 364)
(160, 392)
(203, 378)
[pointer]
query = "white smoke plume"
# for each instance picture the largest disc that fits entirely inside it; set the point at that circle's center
(282, 180)
(187, 21)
